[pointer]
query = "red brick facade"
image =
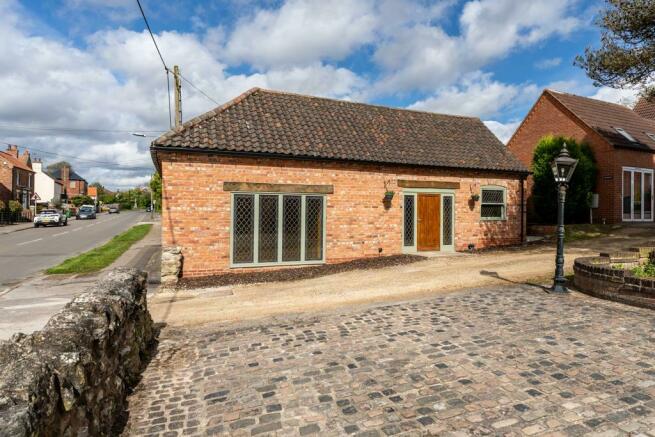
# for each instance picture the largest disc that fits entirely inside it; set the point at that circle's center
(196, 210)
(549, 117)
(16, 176)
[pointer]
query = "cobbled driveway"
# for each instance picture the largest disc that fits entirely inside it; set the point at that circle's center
(496, 361)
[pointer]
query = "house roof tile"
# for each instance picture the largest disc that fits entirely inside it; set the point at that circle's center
(284, 124)
(604, 117)
(16, 162)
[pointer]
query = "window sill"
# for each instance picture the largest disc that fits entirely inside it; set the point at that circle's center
(275, 264)
(493, 219)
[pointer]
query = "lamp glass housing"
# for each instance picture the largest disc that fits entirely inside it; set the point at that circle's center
(563, 166)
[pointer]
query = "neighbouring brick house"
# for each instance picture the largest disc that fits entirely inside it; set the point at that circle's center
(623, 142)
(16, 176)
(73, 184)
(273, 179)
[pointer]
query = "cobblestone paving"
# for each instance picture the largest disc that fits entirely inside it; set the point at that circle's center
(497, 361)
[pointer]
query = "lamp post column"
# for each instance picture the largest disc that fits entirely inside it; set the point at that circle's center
(559, 285)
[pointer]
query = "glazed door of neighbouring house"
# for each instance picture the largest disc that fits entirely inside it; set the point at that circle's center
(428, 222)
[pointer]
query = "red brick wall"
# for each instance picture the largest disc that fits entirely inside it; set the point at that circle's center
(196, 210)
(6, 185)
(548, 117)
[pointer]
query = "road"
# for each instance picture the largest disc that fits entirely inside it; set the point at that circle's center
(24, 253)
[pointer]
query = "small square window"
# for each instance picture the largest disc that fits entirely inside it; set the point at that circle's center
(492, 206)
(625, 134)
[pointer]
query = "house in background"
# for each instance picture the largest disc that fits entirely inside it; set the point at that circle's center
(623, 142)
(275, 179)
(73, 184)
(46, 187)
(16, 176)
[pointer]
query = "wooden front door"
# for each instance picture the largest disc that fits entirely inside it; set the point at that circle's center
(429, 222)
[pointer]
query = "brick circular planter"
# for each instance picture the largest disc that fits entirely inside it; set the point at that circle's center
(597, 276)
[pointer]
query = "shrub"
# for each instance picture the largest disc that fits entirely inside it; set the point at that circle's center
(15, 206)
(544, 191)
(2, 205)
(645, 271)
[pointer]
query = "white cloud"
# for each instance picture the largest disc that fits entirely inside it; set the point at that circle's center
(302, 32)
(423, 56)
(625, 97)
(545, 64)
(503, 131)
(117, 82)
(477, 95)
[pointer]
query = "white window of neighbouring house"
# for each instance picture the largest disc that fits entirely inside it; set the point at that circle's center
(271, 229)
(637, 190)
(493, 203)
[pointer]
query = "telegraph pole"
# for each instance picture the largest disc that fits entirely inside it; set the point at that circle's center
(178, 96)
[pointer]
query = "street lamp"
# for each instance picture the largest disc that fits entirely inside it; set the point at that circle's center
(563, 167)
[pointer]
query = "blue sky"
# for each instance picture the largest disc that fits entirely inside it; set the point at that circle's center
(89, 64)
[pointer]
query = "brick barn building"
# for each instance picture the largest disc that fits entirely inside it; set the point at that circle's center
(275, 179)
(623, 142)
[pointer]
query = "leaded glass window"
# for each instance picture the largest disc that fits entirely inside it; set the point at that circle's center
(492, 206)
(277, 228)
(447, 222)
(314, 228)
(408, 217)
(268, 236)
(291, 228)
(243, 241)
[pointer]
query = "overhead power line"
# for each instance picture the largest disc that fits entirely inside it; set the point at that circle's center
(198, 89)
(73, 129)
(91, 161)
(143, 14)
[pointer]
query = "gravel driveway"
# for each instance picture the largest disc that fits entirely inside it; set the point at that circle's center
(506, 360)
(434, 276)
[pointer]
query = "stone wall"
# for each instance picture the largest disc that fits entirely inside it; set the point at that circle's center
(72, 377)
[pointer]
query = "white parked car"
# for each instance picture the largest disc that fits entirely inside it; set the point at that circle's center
(50, 217)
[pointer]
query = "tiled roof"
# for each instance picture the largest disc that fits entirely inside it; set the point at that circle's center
(56, 174)
(15, 162)
(604, 118)
(646, 108)
(284, 124)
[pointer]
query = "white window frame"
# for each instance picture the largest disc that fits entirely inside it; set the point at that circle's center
(415, 192)
(280, 212)
(643, 171)
(504, 204)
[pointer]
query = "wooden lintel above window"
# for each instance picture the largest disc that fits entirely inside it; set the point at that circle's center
(255, 187)
(444, 185)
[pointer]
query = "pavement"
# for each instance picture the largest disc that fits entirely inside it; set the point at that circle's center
(25, 253)
(509, 360)
(27, 306)
(8, 229)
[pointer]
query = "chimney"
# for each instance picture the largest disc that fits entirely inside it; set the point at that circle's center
(25, 157)
(645, 107)
(37, 165)
(13, 150)
(65, 175)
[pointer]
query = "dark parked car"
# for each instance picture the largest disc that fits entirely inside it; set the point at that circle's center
(86, 212)
(50, 217)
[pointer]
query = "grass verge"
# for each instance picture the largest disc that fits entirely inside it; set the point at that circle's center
(100, 257)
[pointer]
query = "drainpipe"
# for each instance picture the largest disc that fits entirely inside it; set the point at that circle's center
(522, 209)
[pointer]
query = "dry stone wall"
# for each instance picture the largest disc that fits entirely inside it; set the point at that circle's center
(72, 377)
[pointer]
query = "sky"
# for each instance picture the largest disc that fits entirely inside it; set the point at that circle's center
(80, 76)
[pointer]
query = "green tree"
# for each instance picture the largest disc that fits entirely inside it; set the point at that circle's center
(155, 186)
(15, 206)
(81, 200)
(544, 191)
(626, 57)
